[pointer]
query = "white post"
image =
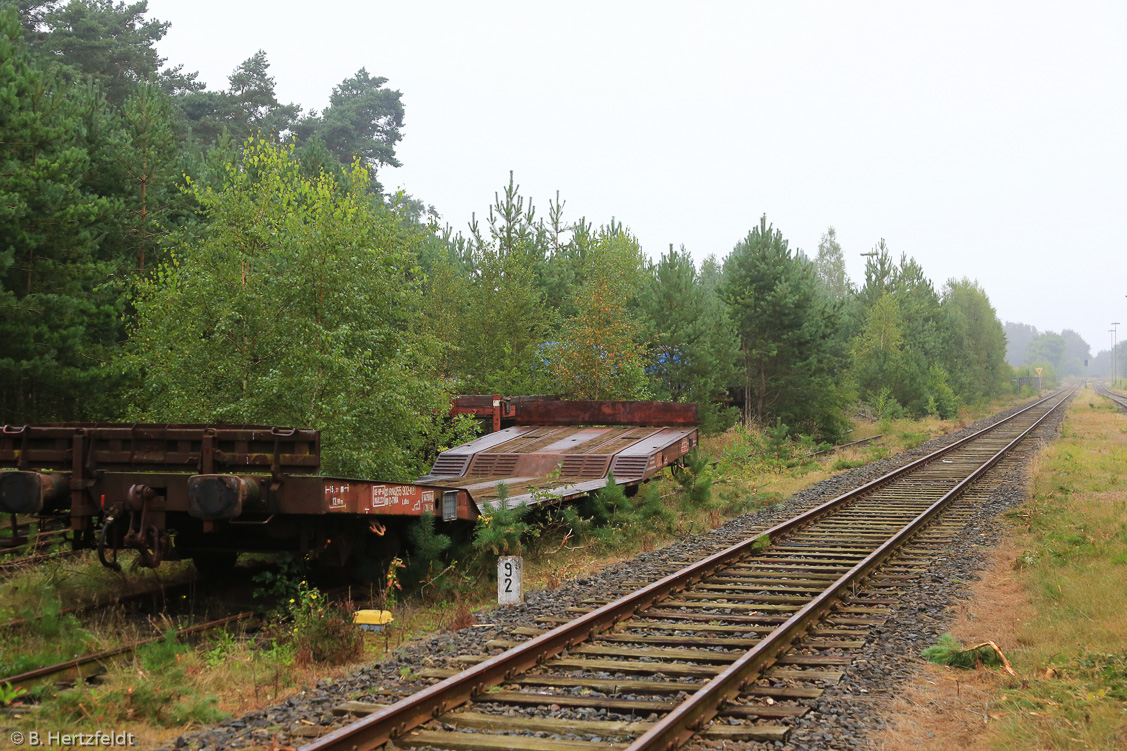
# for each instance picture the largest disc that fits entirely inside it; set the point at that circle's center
(509, 586)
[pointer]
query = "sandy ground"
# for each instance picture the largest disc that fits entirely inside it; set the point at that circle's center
(942, 708)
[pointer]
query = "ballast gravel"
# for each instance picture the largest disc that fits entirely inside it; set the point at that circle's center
(843, 718)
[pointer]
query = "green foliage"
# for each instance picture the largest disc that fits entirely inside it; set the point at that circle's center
(59, 305)
(321, 632)
(878, 351)
(651, 512)
(52, 638)
(599, 354)
(885, 406)
(160, 693)
(111, 44)
(575, 523)
(9, 694)
(785, 329)
(696, 478)
(606, 513)
(427, 545)
(503, 530)
(693, 345)
(777, 443)
(948, 651)
(977, 343)
(1048, 378)
(941, 398)
(317, 323)
(829, 267)
(928, 352)
(492, 312)
(606, 503)
(281, 582)
(842, 463)
(222, 645)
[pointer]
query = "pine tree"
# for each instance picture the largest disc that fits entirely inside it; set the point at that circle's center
(59, 306)
(693, 345)
(785, 330)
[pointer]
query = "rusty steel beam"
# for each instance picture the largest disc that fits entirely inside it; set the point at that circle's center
(666, 414)
(410, 712)
(158, 447)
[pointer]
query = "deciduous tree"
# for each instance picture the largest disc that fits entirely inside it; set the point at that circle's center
(299, 306)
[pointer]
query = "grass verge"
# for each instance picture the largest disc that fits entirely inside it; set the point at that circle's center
(1071, 690)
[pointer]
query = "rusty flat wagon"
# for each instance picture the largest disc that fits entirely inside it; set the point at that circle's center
(210, 492)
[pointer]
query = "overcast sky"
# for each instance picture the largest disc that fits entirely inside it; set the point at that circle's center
(987, 140)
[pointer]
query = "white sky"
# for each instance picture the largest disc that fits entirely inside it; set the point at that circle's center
(985, 139)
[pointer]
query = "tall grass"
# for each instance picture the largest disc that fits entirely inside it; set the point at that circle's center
(1072, 666)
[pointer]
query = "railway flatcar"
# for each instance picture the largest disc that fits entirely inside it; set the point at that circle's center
(210, 492)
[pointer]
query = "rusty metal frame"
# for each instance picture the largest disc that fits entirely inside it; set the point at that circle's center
(410, 712)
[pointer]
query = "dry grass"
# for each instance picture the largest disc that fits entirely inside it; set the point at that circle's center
(241, 675)
(1056, 599)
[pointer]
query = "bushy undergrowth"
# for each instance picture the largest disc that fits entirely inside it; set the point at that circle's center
(427, 547)
(505, 529)
(695, 478)
(752, 450)
(159, 692)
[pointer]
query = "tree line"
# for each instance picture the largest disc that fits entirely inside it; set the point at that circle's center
(176, 254)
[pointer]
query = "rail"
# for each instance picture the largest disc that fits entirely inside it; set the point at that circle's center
(1118, 399)
(841, 567)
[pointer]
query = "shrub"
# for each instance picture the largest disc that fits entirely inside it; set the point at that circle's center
(428, 546)
(502, 532)
(322, 632)
(695, 478)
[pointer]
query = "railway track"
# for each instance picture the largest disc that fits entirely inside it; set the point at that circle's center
(726, 648)
(13, 566)
(851, 444)
(36, 541)
(1118, 399)
(86, 665)
(157, 595)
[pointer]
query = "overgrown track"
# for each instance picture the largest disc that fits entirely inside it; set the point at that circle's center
(741, 635)
(13, 566)
(86, 665)
(1120, 400)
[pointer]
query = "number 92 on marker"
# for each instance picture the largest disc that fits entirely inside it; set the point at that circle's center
(509, 590)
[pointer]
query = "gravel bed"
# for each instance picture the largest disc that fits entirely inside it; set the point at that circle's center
(842, 718)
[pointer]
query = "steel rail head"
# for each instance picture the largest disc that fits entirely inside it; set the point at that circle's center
(1114, 397)
(408, 713)
(690, 716)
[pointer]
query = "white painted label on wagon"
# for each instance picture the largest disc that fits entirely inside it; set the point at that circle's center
(391, 495)
(509, 590)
